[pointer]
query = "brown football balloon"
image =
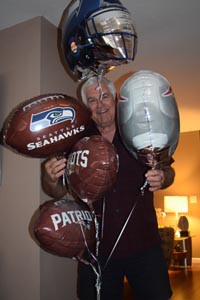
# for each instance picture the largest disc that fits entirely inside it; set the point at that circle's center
(65, 228)
(92, 167)
(45, 125)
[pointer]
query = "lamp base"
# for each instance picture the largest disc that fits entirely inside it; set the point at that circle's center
(184, 233)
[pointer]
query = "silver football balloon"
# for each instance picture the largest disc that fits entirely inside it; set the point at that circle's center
(148, 117)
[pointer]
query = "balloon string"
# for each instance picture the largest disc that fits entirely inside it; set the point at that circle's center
(143, 187)
(64, 179)
(103, 215)
(154, 167)
(97, 269)
(97, 234)
(122, 230)
(97, 273)
(64, 176)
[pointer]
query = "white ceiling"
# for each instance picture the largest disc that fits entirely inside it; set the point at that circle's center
(179, 17)
(169, 42)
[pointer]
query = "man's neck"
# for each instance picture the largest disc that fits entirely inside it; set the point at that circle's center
(108, 132)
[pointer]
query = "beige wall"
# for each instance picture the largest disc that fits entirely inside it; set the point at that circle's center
(19, 192)
(187, 183)
(30, 66)
(58, 275)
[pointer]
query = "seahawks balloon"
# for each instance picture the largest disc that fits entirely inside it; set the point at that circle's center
(45, 125)
(148, 117)
(96, 35)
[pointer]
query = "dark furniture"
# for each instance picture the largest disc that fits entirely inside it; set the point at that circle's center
(182, 254)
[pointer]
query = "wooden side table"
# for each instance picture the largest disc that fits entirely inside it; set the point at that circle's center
(184, 256)
(179, 258)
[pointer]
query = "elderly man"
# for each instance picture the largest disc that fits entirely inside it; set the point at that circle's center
(137, 254)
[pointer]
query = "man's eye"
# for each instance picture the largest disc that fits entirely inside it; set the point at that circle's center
(91, 101)
(105, 96)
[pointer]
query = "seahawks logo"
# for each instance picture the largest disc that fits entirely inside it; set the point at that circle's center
(51, 117)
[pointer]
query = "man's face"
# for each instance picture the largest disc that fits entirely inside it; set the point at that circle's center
(102, 107)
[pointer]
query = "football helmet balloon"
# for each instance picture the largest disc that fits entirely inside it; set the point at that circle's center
(97, 35)
(148, 117)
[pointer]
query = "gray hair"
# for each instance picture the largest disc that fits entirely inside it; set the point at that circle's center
(90, 81)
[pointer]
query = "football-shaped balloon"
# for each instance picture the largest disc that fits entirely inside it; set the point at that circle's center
(65, 228)
(148, 117)
(92, 168)
(46, 125)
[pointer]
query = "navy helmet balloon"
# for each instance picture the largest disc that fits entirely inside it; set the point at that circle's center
(97, 35)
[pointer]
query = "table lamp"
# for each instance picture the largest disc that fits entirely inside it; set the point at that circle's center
(178, 204)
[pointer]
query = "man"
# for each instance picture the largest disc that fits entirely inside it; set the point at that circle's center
(137, 254)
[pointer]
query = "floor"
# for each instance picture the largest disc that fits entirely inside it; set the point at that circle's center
(185, 283)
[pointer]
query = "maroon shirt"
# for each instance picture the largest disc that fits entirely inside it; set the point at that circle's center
(141, 231)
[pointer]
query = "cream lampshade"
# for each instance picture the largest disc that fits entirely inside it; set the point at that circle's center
(176, 204)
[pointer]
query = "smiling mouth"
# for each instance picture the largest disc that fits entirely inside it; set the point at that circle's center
(102, 111)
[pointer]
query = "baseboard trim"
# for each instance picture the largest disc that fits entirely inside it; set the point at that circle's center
(196, 260)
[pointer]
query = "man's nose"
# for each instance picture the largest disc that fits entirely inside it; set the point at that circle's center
(99, 102)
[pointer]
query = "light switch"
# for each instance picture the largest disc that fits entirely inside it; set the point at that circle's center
(193, 199)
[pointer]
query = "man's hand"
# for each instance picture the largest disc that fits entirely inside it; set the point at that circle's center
(54, 168)
(155, 179)
(160, 179)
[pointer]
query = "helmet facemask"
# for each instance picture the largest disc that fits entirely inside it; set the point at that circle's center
(112, 35)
